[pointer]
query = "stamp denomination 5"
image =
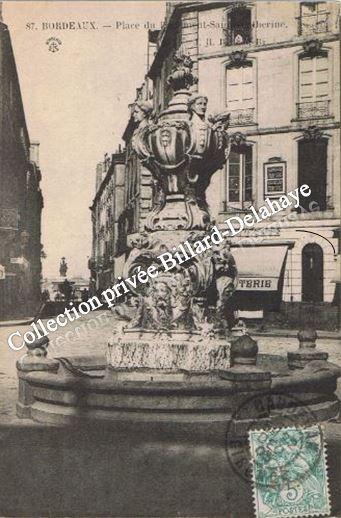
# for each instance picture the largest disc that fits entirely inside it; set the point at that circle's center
(289, 472)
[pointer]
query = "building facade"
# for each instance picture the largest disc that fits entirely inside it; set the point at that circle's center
(274, 66)
(124, 194)
(21, 199)
(108, 225)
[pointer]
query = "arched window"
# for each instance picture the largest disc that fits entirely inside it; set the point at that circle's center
(312, 273)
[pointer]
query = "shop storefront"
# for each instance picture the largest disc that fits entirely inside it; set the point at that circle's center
(261, 271)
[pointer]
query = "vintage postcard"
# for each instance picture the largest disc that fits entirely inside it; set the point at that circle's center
(170, 258)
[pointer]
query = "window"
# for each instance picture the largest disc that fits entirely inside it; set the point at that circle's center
(313, 86)
(240, 98)
(313, 18)
(239, 88)
(314, 78)
(312, 170)
(239, 167)
(312, 273)
(238, 26)
(274, 177)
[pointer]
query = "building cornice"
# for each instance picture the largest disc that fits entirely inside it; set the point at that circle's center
(226, 51)
(297, 128)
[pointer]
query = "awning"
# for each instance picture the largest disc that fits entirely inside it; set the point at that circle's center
(260, 267)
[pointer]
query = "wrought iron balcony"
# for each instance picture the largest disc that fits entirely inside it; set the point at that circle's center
(9, 219)
(242, 117)
(313, 110)
(314, 23)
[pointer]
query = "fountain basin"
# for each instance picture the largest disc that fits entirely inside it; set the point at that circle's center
(213, 403)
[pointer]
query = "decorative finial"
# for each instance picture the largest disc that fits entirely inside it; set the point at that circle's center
(181, 77)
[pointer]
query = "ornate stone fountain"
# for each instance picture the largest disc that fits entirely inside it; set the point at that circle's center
(176, 363)
(173, 327)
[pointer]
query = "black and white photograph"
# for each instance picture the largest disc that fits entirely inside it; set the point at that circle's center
(170, 259)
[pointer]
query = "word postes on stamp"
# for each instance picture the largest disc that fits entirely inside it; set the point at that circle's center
(289, 472)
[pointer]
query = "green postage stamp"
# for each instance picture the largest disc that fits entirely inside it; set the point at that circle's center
(289, 472)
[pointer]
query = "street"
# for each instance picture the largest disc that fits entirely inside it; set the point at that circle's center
(133, 474)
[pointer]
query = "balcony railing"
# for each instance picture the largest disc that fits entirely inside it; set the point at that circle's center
(314, 23)
(313, 110)
(8, 219)
(242, 117)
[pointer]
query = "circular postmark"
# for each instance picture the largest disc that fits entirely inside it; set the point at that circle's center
(286, 455)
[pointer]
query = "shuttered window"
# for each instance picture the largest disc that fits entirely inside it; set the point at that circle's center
(239, 88)
(313, 79)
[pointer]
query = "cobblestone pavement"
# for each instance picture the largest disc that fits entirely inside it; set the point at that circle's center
(89, 335)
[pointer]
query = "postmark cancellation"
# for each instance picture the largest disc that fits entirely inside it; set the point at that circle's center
(289, 471)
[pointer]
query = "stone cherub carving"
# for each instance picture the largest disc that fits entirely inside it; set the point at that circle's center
(204, 130)
(142, 112)
(144, 116)
(197, 106)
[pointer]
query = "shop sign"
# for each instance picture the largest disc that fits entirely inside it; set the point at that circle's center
(257, 284)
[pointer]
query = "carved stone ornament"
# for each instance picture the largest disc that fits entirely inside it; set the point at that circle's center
(237, 139)
(182, 150)
(312, 48)
(238, 59)
(181, 76)
(312, 133)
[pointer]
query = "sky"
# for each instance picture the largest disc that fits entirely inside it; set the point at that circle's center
(76, 104)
